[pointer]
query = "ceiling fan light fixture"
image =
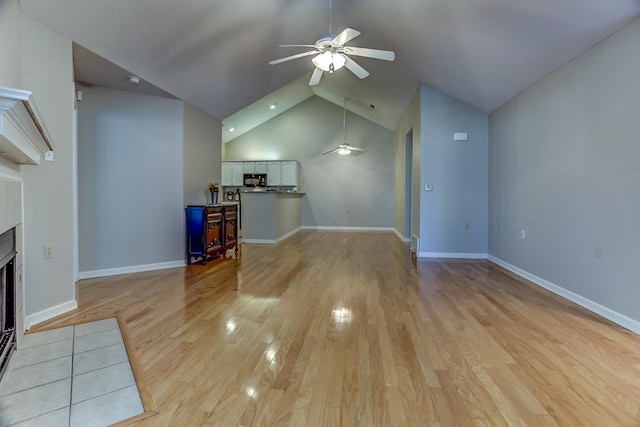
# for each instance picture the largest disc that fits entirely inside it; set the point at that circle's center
(329, 61)
(344, 151)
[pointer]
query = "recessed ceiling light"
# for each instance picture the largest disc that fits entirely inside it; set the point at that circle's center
(134, 79)
(232, 129)
(272, 106)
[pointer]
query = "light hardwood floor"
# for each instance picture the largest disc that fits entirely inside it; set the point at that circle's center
(336, 329)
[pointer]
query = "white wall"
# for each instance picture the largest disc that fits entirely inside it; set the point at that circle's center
(130, 185)
(202, 154)
(565, 166)
(458, 171)
(47, 71)
(342, 191)
(10, 44)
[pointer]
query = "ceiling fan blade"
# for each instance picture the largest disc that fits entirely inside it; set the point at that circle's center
(355, 68)
(345, 36)
(315, 77)
(385, 55)
(289, 58)
(352, 148)
(332, 151)
(297, 45)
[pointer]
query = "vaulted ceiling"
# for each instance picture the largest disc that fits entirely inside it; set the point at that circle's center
(214, 54)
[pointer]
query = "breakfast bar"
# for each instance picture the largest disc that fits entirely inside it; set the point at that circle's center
(270, 216)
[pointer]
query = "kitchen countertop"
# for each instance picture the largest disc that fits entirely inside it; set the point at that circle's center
(272, 192)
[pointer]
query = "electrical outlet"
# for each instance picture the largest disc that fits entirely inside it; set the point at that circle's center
(597, 251)
(48, 251)
(523, 234)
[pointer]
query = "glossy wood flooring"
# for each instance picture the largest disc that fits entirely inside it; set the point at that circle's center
(330, 329)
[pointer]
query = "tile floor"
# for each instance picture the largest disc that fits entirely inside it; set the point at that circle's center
(74, 376)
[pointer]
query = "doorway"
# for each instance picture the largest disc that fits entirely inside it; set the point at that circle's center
(408, 192)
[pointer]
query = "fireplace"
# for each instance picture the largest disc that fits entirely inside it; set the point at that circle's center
(24, 140)
(7, 296)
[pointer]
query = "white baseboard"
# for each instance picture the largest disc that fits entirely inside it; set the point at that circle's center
(49, 313)
(289, 234)
(271, 241)
(258, 241)
(341, 228)
(401, 237)
(607, 313)
(459, 255)
(129, 269)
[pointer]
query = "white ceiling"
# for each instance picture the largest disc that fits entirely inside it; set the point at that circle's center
(214, 54)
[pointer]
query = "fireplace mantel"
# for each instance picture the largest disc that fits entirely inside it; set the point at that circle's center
(23, 135)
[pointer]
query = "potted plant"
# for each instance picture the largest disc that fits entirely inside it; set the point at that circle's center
(213, 189)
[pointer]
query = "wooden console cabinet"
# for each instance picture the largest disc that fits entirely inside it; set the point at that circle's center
(210, 231)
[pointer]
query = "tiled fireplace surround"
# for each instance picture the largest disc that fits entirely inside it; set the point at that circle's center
(11, 214)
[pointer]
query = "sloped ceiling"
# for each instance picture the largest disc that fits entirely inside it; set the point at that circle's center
(214, 54)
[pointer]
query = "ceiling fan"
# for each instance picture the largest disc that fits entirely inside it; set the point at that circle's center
(331, 54)
(344, 148)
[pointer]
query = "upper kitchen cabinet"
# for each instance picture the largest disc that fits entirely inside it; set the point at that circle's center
(274, 173)
(238, 174)
(249, 167)
(279, 173)
(227, 173)
(232, 173)
(289, 173)
(261, 167)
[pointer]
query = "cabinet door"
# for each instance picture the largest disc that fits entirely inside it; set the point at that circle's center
(290, 173)
(214, 232)
(227, 173)
(237, 173)
(249, 167)
(230, 227)
(274, 173)
(261, 167)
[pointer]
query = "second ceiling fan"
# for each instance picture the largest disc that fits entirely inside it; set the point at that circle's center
(331, 53)
(344, 148)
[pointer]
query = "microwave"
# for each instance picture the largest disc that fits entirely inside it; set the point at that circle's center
(255, 180)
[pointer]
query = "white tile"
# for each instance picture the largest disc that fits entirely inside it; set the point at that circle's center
(99, 358)
(94, 327)
(59, 418)
(107, 409)
(97, 340)
(41, 353)
(33, 402)
(101, 381)
(19, 379)
(46, 337)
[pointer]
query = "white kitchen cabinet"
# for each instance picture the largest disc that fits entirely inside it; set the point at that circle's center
(249, 167)
(261, 167)
(290, 173)
(227, 173)
(274, 173)
(238, 172)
